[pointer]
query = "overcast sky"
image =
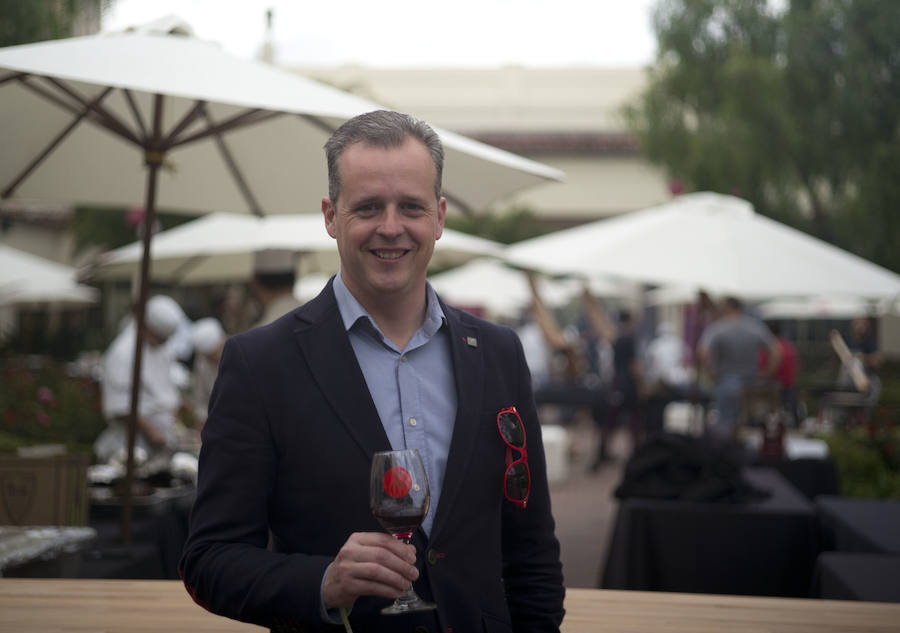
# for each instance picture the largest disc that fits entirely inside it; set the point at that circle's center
(417, 33)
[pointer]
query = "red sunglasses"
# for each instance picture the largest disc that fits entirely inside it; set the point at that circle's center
(517, 479)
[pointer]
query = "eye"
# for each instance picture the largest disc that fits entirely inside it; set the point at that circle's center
(412, 207)
(366, 208)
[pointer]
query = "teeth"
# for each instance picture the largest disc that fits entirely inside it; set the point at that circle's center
(389, 254)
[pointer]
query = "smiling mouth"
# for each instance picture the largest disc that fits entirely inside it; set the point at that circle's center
(389, 255)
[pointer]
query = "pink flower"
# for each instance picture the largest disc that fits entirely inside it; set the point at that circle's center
(43, 419)
(45, 395)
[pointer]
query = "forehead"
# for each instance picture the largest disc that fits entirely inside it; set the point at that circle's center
(411, 160)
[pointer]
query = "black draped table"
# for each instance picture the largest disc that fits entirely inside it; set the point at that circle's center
(855, 576)
(865, 537)
(765, 547)
(859, 525)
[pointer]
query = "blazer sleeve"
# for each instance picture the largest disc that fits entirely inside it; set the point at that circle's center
(226, 566)
(532, 571)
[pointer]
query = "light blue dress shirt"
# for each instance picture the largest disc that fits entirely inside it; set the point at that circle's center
(413, 388)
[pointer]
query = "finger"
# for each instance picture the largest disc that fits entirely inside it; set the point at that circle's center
(346, 580)
(380, 541)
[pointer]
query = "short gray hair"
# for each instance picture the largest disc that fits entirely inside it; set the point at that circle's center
(384, 129)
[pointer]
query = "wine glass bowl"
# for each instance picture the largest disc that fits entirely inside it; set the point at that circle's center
(399, 499)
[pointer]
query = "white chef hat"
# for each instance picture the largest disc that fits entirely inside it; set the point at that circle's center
(207, 335)
(163, 315)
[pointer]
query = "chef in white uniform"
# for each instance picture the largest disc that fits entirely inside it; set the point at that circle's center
(159, 398)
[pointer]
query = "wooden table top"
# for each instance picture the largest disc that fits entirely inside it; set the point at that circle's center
(150, 606)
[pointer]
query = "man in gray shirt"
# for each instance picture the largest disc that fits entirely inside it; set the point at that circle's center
(729, 349)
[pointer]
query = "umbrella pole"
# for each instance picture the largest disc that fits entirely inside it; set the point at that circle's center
(153, 160)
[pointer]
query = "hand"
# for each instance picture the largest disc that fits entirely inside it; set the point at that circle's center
(369, 564)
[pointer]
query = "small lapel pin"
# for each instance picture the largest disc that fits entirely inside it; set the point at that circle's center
(471, 341)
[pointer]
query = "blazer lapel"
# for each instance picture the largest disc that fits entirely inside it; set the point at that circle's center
(468, 366)
(321, 336)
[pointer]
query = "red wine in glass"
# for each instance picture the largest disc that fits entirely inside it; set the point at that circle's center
(399, 498)
(400, 526)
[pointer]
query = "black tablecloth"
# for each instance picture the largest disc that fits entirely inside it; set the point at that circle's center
(159, 528)
(852, 576)
(811, 476)
(765, 547)
(859, 525)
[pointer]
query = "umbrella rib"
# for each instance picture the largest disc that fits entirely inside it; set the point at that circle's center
(85, 111)
(248, 117)
(132, 104)
(105, 117)
(195, 112)
(92, 115)
(186, 267)
(12, 77)
(236, 173)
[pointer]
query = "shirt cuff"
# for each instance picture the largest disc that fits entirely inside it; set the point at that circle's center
(330, 616)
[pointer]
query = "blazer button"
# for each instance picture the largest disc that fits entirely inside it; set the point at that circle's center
(432, 556)
(421, 629)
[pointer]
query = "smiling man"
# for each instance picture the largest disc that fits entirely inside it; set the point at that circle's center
(281, 532)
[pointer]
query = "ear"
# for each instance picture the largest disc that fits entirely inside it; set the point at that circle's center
(328, 212)
(442, 214)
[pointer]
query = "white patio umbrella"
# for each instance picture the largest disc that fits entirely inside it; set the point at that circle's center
(220, 246)
(711, 241)
(820, 307)
(28, 279)
(110, 118)
(503, 292)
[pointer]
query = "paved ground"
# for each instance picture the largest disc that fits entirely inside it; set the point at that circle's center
(584, 506)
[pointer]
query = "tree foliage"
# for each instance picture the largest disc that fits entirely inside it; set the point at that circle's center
(25, 21)
(795, 108)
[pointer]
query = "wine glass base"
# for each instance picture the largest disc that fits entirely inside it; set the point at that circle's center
(408, 607)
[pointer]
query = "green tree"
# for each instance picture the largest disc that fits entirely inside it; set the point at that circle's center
(24, 21)
(796, 109)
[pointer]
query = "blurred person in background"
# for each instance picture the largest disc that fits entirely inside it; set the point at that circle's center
(208, 338)
(729, 350)
(865, 357)
(274, 276)
(623, 402)
(160, 397)
(785, 375)
(668, 375)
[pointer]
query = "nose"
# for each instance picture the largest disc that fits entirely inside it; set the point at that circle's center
(391, 222)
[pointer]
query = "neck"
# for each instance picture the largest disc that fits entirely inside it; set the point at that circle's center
(398, 317)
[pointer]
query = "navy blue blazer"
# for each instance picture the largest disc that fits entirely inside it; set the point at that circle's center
(287, 449)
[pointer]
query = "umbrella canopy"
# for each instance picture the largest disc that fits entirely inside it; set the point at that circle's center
(503, 292)
(235, 135)
(821, 307)
(29, 279)
(101, 119)
(711, 241)
(220, 246)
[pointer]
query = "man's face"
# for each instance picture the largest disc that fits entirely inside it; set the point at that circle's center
(386, 219)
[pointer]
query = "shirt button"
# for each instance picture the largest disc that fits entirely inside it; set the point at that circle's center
(412, 422)
(403, 358)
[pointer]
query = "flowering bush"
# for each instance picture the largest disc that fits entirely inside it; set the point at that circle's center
(40, 403)
(867, 457)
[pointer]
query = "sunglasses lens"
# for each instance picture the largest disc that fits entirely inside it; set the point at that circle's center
(517, 481)
(511, 429)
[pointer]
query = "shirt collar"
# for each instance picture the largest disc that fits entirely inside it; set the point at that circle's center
(352, 310)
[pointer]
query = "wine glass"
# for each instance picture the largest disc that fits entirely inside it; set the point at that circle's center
(399, 498)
